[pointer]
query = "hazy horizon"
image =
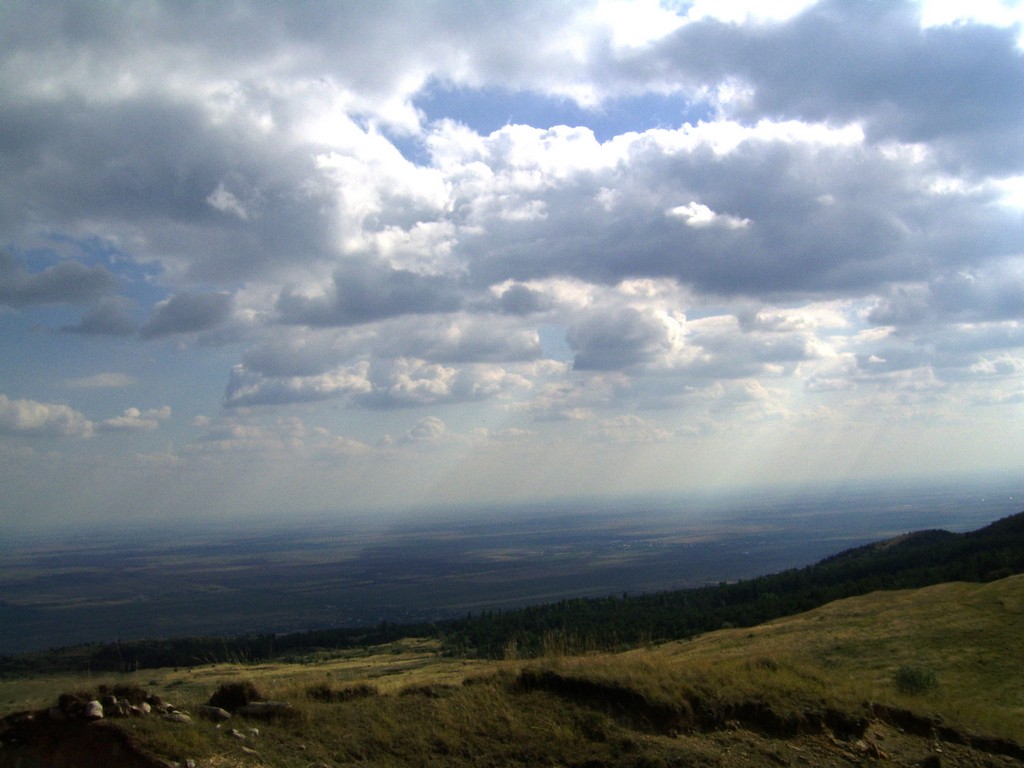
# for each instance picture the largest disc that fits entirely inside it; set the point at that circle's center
(266, 261)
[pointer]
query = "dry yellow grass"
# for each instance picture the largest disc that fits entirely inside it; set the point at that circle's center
(848, 652)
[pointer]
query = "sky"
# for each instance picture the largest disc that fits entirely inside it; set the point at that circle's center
(270, 259)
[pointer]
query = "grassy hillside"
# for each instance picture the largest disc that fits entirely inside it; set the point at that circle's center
(906, 676)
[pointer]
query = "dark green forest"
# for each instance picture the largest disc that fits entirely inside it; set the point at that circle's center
(907, 562)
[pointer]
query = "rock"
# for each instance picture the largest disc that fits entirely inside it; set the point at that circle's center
(215, 714)
(92, 710)
(69, 704)
(237, 734)
(56, 714)
(145, 707)
(108, 701)
(177, 717)
(253, 732)
(265, 709)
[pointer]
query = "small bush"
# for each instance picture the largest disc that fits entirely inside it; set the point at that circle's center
(233, 696)
(913, 680)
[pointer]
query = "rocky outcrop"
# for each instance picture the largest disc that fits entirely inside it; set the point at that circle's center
(81, 729)
(78, 731)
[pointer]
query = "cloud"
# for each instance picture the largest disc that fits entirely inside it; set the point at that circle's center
(629, 428)
(406, 382)
(102, 381)
(519, 299)
(698, 216)
(596, 224)
(33, 418)
(988, 293)
(828, 64)
(30, 417)
(225, 202)
(187, 313)
(67, 282)
(621, 339)
(427, 430)
(135, 419)
(462, 338)
(248, 387)
(109, 317)
(363, 292)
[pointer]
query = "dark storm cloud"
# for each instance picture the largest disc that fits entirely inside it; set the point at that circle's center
(187, 313)
(67, 282)
(364, 292)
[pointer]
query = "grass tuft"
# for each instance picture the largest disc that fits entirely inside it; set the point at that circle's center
(914, 680)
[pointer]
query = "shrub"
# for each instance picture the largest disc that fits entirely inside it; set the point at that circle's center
(913, 680)
(233, 696)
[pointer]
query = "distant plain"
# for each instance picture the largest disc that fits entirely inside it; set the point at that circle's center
(231, 579)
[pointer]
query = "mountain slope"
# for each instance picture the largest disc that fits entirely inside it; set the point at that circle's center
(821, 688)
(909, 561)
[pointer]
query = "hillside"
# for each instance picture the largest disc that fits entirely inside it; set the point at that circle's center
(927, 677)
(913, 560)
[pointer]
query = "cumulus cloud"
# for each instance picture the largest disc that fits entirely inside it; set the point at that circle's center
(111, 316)
(406, 382)
(362, 292)
(620, 340)
(248, 387)
(34, 418)
(67, 282)
(989, 293)
(135, 419)
(30, 417)
(625, 222)
(520, 299)
(187, 313)
(428, 430)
